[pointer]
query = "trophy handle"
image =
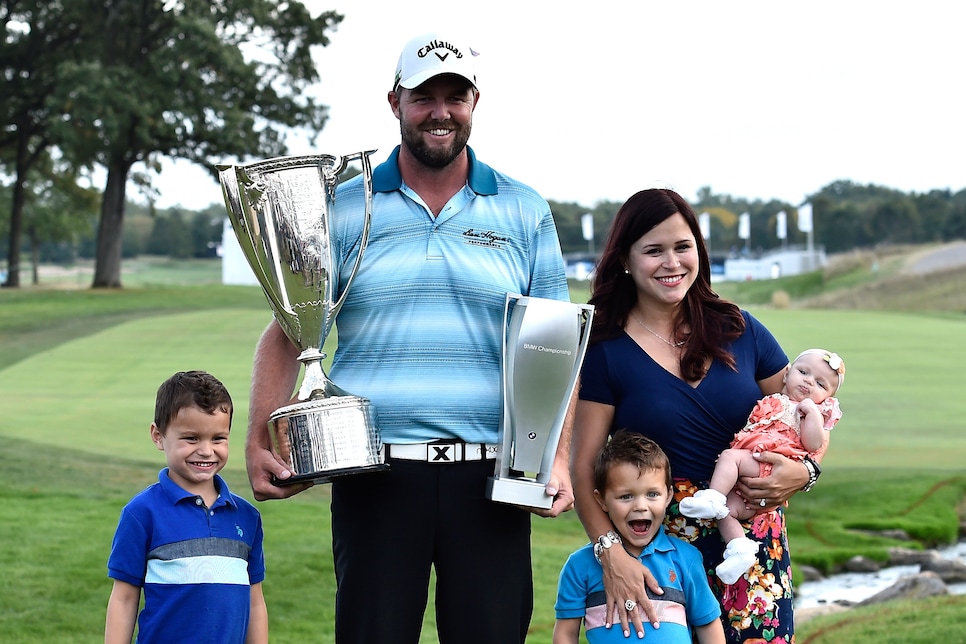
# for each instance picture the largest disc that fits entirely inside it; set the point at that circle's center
(228, 177)
(364, 240)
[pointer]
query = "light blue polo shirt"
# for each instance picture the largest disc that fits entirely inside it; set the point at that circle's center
(677, 565)
(420, 331)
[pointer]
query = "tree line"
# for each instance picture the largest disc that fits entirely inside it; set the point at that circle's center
(845, 216)
(110, 84)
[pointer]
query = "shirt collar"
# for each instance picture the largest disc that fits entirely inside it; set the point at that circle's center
(386, 176)
(176, 493)
(660, 543)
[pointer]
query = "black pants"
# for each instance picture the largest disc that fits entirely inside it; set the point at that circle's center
(389, 528)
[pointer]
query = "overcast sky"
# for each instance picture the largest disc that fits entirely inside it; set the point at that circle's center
(591, 101)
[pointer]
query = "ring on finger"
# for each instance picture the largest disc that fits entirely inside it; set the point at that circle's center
(630, 604)
(762, 503)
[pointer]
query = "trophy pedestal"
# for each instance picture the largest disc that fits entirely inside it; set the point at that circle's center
(324, 439)
(518, 491)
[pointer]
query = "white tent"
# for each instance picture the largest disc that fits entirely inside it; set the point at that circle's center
(234, 266)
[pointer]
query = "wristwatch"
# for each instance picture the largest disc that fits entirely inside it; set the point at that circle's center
(814, 471)
(604, 542)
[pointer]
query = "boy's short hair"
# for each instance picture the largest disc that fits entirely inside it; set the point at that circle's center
(634, 449)
(190, 389)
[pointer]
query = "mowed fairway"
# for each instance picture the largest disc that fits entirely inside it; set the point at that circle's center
(75, 423)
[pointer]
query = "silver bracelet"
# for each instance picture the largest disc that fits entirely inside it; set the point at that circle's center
(604, 542)
(813, 473)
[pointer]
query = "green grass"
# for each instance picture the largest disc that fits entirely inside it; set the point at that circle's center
(924, 621)
(79, 370)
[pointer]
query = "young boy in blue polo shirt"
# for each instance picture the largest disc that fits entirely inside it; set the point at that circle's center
(192, 546)
(632, 480)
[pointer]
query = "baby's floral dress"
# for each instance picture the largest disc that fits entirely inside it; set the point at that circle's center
(758, 607)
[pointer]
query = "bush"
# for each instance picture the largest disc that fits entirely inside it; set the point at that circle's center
(781, 299)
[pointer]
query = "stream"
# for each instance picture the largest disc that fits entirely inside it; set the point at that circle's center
(857, 586)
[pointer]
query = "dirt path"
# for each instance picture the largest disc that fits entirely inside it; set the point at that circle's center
(952, 255)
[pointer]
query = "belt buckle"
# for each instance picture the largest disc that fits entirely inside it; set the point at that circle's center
(445, 452)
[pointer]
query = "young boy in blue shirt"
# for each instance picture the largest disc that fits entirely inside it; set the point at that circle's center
(632, 480)
(192, 546)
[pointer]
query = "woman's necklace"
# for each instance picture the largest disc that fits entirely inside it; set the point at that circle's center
(673, 345)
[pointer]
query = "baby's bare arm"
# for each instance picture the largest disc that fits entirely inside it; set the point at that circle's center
(812, 427)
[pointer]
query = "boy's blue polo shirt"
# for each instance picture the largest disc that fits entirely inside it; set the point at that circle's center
(678, 567)
(194, 564)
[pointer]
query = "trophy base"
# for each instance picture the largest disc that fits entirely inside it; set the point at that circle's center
(328, 438)
(516, 491)
(317, 478)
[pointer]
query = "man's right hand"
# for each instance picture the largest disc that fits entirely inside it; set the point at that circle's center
(264, 467)
(274, 373)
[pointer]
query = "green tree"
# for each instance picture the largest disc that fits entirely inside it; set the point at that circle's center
(896, 220)
(39, 38)
(955, 225)
(191, 80)
(935, 208)
(171, 236)
(839, 224)
(137, 233)
(56, 209)
(566, 217)
(206, 230)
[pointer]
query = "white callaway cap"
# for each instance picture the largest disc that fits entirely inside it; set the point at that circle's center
(430, 55)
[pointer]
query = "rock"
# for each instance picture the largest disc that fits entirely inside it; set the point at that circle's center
(949, 570)
(811, 574)
(859, 563)
(911, 557)
(898, 535)
(920, 586)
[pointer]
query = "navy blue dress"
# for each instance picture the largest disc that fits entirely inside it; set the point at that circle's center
(693, 425)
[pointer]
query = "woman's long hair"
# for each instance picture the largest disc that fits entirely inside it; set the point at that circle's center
(714, 323)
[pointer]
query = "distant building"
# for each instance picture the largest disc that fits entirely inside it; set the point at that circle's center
(580, 266)
(774, 264)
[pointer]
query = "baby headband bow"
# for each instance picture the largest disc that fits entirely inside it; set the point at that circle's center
(833, 359)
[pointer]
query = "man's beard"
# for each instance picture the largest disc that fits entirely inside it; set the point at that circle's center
(433, 157)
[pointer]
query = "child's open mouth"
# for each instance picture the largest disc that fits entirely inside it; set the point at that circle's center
(640, 526)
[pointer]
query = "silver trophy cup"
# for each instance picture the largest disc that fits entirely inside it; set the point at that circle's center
(281, 210)
(544, 343)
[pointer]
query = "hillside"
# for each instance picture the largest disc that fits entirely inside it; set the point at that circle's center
(895, 278)
(916, 279)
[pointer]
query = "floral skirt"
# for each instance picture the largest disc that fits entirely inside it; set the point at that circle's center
(758, 607)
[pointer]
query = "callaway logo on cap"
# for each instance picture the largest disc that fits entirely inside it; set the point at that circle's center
(430, 55)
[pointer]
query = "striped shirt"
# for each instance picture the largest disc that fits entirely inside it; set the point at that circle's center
(195, 564)
(420, 331)
(687, 600)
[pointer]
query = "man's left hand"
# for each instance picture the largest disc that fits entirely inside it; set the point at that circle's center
(561, 490)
